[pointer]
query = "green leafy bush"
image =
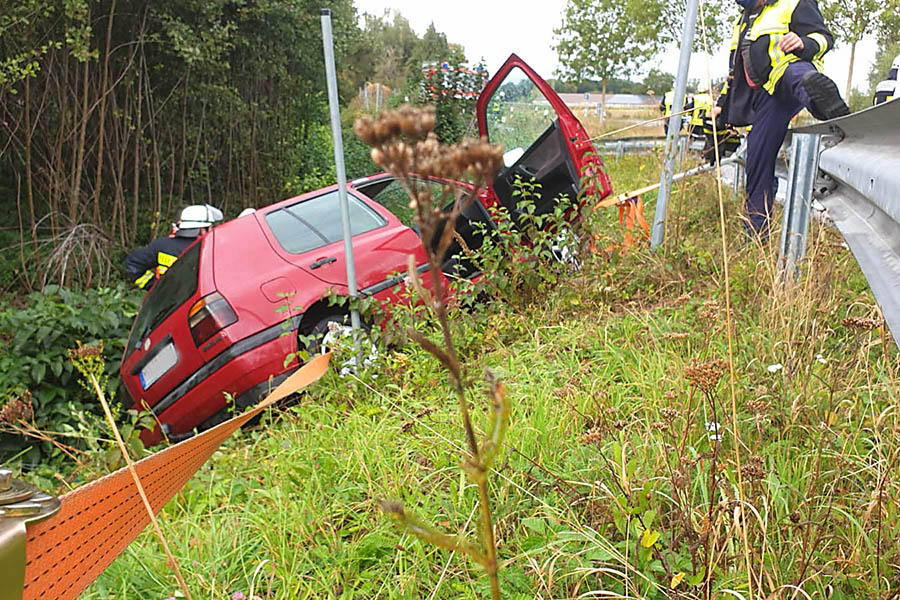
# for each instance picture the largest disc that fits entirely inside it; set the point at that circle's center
(315, 160)
(525, 255)
(35, 368)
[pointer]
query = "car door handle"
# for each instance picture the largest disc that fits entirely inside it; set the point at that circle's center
(322, 261)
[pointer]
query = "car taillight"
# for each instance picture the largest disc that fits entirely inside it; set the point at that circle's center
(209, 315)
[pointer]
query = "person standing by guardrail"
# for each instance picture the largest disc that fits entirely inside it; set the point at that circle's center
(775, 71)
(665, 107)
(887, 89)
(703, 103)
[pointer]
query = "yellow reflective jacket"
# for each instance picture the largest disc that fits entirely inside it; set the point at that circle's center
(755, 58)
(668, 100)
(702, 103)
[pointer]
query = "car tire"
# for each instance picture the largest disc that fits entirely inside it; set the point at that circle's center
(321, 341)
(320, 330)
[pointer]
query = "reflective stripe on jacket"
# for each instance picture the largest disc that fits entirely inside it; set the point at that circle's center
(148, 264)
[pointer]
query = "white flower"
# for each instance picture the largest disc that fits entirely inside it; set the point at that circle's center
(774, 368)
(713, 428)
(821, 359)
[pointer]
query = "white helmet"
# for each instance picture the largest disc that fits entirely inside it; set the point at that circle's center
(198, 216)
(702, 88)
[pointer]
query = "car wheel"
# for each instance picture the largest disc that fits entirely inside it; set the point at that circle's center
(566, 250)
(335, 333)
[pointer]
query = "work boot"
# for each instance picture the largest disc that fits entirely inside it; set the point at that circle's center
(825, 100)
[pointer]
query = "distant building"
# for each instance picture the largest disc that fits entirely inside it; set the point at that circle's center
(574, 101)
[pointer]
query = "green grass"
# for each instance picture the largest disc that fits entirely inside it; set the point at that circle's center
(289, 508)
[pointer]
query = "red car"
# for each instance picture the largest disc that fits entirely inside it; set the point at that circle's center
(216, 321)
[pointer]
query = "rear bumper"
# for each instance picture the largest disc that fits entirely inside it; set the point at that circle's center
(247, 363)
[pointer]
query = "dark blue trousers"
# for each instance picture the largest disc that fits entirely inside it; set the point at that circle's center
(771, 116)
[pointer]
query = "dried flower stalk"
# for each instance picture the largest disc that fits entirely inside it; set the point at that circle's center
(403, 142)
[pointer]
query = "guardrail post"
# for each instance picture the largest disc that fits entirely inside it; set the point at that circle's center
(738, 181)
(801, 179)
(343, 201)
(658, 233)
(620, 149)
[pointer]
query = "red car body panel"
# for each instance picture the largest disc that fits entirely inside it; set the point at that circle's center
(269, 290)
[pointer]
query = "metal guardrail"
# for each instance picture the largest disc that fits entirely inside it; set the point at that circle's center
(636, 144)
(862, 157)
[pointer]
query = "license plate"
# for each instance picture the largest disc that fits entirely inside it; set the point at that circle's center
(164, 360)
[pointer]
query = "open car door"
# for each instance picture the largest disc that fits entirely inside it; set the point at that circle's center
(542, 140)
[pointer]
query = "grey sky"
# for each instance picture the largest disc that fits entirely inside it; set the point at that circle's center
(492, 29)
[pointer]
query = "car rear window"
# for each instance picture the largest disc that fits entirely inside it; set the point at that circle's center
(316, 222)
(173, 289)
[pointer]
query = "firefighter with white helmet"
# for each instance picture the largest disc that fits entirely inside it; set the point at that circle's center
(146, 265)
(703, 103)
(887, 89)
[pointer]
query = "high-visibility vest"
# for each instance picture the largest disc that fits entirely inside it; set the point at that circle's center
(163, 262)
(774, 20)
(703, 103)
(668, 100)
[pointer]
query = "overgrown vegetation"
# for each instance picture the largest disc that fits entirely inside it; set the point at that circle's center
(404, 142)
(115, 113)
(621, 477)
(46, 417)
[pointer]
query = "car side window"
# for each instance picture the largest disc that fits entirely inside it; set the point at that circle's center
(316, 222)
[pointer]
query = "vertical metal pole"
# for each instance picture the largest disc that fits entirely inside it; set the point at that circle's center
(344, 203)
(665, 178)
(738, 180)
(620, 149)
(801, 180)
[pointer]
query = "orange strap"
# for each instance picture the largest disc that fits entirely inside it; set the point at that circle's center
(631, 212)
(97, 521)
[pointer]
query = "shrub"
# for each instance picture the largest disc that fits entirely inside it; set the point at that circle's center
(315, 163)
(523, 257)
(35, 367)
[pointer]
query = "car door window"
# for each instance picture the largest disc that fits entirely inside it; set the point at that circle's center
(517, 114)
(316, 222)
(395, 199)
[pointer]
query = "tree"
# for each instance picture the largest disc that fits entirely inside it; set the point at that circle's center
(851, 20)
(606, 38)
(714, 20)
(385, 50)
(888, 23)
(658, 81)
(884, 57)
